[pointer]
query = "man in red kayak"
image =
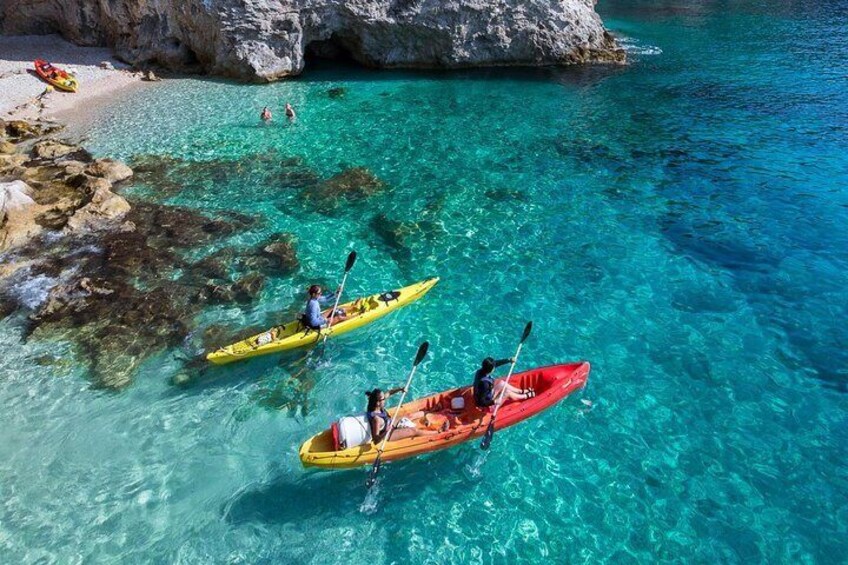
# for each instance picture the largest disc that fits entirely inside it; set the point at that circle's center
(487, 390)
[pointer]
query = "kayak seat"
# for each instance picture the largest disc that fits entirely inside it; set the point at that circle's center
(334, 429)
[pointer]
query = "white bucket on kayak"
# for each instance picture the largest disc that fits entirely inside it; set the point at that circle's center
(354, 431)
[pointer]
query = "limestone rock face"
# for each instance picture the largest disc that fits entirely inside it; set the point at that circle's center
(269, 39)
(18, 212)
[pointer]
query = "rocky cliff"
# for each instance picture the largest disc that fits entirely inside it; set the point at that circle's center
(270, 39)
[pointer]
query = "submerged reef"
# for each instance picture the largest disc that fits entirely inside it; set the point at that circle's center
(116, 277)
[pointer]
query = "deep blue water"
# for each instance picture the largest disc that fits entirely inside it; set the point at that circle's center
(680, 222)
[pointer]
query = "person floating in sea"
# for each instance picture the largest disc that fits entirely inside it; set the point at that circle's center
(379, 419)
(290, 112)
(312, 317)
(266, 114)
(486, 389)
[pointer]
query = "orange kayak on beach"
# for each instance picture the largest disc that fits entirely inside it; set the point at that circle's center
(465, 421)
(57, 77)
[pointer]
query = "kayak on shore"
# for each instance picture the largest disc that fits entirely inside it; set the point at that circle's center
(59, 78)
(347, 443)
(294, 335)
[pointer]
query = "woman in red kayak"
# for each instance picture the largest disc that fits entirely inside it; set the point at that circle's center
(379, 419)
(486, 389)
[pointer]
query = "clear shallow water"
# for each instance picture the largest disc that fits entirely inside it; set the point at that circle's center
(681, 223)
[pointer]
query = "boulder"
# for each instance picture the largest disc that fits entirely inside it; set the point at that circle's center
(18, 212)
(21, 130)
(106, 209)
(7, 147)
(51, 149)
(112, 171)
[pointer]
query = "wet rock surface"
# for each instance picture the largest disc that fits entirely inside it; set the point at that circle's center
(113, 276)
(346, 187)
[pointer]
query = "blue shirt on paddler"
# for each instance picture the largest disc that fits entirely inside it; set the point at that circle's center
(313, 317)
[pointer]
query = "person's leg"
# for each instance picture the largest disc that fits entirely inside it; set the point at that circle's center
(511, 392)
(406, 433)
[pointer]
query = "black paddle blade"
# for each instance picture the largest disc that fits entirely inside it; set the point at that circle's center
(527, 329)
(487, 437)
(422, 351)
(351, 259)
(372, 476)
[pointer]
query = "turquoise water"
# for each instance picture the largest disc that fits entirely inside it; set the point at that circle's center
(681, 222)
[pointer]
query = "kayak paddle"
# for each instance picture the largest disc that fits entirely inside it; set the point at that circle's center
(490, 431)
(351, 259)
(375, 470)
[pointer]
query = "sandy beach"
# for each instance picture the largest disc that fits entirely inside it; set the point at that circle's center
(20, 87)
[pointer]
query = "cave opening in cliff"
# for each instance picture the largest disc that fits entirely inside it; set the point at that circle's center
(337, 48)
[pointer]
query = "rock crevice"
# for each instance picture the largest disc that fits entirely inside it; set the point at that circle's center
(265, 40)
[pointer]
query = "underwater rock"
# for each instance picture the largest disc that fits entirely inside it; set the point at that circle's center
(218, 293)
(337, 92)
(214, 266)
(399, 236)
(504, 194)
(393, 234)
(351, 184)
(280, 252)
(248, 287)
(355, 182)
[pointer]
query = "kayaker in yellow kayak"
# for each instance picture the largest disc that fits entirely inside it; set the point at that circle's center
(379, 419)
(312, 317)
(486, 388)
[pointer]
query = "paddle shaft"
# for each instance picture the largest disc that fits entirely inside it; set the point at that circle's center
(397, 411)
(506, 383)
(336, 305)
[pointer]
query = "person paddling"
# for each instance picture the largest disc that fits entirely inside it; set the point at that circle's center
(379, 419)
(312, 317)
(486, 388)
(266, 114)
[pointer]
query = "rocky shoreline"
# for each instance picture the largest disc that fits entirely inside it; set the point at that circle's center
(82, 262)
(263, 40)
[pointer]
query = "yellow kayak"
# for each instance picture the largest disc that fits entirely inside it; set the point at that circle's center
(293, 335)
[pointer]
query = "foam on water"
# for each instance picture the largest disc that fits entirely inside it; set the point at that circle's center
(679, 222)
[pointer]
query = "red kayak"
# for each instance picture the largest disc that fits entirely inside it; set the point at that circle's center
(56, 76)
(330, 450)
